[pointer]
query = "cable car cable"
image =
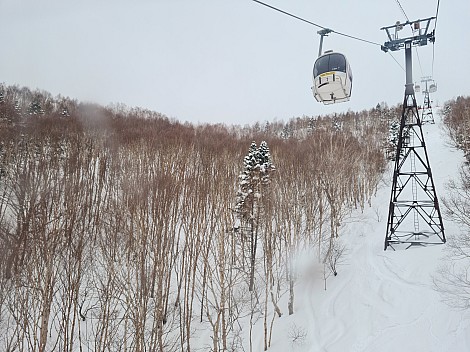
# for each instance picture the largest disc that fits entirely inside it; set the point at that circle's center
(434, 44)
(315, 24)
(356, 38)
(393, 57)
(403, 11)
(289, 14)
(404, 14)
(419, 62)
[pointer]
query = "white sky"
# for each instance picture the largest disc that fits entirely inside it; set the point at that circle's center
(228, 61)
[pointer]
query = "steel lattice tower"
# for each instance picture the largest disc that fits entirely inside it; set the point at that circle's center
(414, 216)
(427, 116)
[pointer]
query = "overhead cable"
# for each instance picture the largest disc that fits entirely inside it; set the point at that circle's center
(437, 12)
(289, 14)
(402, 10)
(419, 62)
(433, 44)
(314, 24)
(393, 57)
(356, 38)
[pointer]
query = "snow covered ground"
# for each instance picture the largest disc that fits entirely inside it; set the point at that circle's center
(380, 300)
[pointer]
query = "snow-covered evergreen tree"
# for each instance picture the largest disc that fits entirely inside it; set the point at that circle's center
(35, 109)
(286, 132)
(394, 129)
(246, 184)
(17, 106)
(2, 94)
(265, 164)
(253, 182)
(257, 166)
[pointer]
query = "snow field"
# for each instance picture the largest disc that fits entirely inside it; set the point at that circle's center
(380, 300)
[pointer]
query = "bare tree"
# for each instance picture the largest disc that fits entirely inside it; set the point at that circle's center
(117, 232)
(453, 280)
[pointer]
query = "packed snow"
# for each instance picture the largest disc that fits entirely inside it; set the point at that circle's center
(380, 300)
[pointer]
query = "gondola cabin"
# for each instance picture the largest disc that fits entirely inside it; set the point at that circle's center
(332, 78)
(433, 88)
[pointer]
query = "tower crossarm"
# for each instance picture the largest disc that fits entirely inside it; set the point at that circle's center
(421, 27)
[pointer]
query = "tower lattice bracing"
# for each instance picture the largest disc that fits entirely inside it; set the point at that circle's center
(427, 115)
(414, 215)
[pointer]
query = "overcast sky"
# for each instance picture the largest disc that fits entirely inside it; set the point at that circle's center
(228, 61)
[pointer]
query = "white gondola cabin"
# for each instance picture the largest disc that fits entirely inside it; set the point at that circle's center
(332, 78)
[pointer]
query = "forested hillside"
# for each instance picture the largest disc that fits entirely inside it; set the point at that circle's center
(454, 280)
(121, 229)
(456, 114)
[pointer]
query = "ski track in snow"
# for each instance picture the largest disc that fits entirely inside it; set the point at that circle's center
(384, 300)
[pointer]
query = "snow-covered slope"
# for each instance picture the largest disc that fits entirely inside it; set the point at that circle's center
(380, 300)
